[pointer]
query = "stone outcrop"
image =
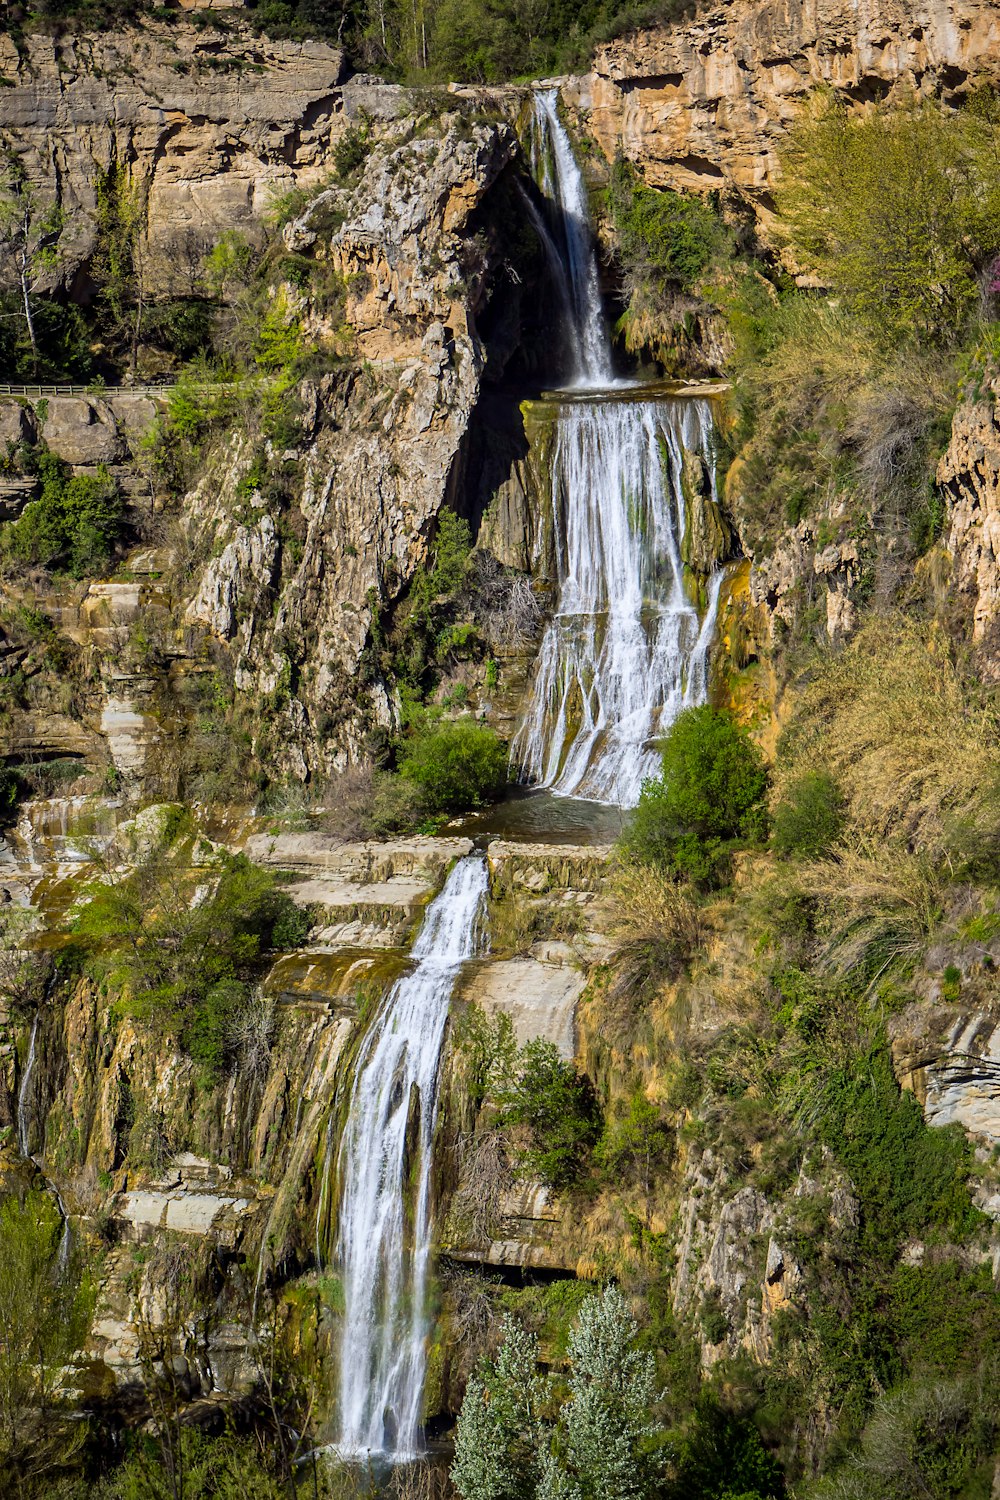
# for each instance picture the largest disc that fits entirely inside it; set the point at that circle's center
(950, 1058)
(703, 104)
(379, 458)
(969, 477)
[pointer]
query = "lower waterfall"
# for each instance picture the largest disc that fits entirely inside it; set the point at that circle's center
(626, 648)
(384, 1235)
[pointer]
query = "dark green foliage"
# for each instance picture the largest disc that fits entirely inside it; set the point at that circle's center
(709, 799)
(663, 237)
(722, 1458)
(182, 965)
(456, 764)
(555, 1108)
(63, 336)
(182, 328)
(75, 524)
(809, 819)
(350, 152)
(906, 1175)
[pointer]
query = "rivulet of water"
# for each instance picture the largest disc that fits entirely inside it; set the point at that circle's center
(385, 1219)
(626, 649)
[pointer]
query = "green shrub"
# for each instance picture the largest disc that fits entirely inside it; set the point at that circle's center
(898, 209)
(185, 966)
(555, 1108)
(809, 819)
(75, 523)
(709, 798)
(456, 764)
(663, 237)
(350, 152)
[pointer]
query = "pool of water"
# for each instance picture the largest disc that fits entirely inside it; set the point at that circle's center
(535, 816)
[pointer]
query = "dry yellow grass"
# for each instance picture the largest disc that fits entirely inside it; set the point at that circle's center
(909, 742)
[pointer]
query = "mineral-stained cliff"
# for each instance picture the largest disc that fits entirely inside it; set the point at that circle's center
(703, 104)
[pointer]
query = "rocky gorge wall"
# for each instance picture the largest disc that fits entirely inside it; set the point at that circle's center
(702, 105)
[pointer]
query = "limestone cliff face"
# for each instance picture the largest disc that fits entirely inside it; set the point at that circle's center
(702, 104)
(969, 477)
(211, 125)
(380, 453)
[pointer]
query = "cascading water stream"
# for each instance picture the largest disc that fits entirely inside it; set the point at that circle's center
(561, 182)
(24, 1093)
(626, 648)
(385, 1220)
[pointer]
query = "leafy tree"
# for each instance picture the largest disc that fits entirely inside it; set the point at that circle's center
(120, 259)
(601, 1441)
(709, 798)
(75, 523)
(554, 1106)
(499, 1429)
(456, 763)
(44, 1313)
(897, 209)
(29, 237)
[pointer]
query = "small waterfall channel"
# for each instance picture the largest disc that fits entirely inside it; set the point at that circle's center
(385, 1220)
(627, 646)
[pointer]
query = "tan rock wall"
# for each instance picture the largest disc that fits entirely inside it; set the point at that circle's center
(704, 104)
(211, 127)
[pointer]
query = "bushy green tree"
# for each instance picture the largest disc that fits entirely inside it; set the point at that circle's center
(76, 522)
(601, 1441)
(456, 763)
(554, 1106)
(898, 209)
(709, 798)
(664, 237)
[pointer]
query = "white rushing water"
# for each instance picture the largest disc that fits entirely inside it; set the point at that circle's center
(24, 1093)
(384, 1234)
(555, 169)
(626, 649)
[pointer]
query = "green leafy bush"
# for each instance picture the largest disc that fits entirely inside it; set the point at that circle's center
(76, 522)
(554, 1108)
(809, 819)
(709, 798)
(456, 764)
(663, 237)
(898, 209)
(181, 964)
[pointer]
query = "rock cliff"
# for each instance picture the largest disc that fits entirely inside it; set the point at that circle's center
(703, 104)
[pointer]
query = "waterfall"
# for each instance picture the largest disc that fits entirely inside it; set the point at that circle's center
(23, 1118)
(625, 650)
(555, 169)
(384, 1236)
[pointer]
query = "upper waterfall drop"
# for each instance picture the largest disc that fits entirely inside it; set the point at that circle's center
(385, 1222)
(627, 646)
(560, 180)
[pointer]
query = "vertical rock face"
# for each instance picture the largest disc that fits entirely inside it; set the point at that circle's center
(382, 450)
(969, 476)
(703, 104)
(212, 127)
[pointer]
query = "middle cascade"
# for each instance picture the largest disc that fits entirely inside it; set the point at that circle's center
(625, 650)
(627, 646)
(384, 1237)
